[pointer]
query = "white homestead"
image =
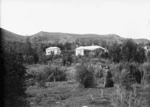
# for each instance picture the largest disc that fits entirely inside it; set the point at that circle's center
(80, 50)
(54, 50)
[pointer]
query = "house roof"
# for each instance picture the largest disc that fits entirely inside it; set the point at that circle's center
(51, 48)
(90, 47)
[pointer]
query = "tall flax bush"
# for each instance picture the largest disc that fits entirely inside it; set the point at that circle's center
(85, 75)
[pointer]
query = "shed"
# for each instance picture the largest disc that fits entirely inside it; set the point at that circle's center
(54, 50)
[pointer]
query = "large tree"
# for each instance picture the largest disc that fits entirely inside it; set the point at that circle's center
(115, 52)
(14, 77)
(128, 51)
(132, 52)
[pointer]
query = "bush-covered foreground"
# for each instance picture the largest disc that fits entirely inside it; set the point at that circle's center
(64, 94)
(68, 93)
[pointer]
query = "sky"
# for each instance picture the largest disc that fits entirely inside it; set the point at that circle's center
(126, 18)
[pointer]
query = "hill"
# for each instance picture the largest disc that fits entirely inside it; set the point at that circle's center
(68, 37)
(53, 37)
(10, 36)
(141, 40)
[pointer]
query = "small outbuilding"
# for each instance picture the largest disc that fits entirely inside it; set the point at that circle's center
(53, 50)
(81, 50)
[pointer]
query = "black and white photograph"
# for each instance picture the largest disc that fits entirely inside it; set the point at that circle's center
(75, 53)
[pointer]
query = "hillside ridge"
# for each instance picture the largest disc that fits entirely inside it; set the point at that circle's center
(60, 37)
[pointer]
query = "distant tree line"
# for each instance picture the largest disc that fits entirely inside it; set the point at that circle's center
(35, 52)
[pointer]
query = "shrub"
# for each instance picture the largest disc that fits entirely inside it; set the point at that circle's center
(127, 80)
(85, 75)
(130, 74)
(59, 73)
(126, 73)
(146, 70)
(99, 73)
(30, 76)
(116, 69)
(51, 73)
(71, 73)
(43, 58)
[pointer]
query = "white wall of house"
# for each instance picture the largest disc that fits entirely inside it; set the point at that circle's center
(54, 50)
(80, 50)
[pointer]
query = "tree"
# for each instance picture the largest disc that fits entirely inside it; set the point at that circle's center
(67, 46)
(33, 51)
(129, 48)
(131, 52)
(28, 51)
(14, 77)
(140, 56)
(67, 58)
(115, 52)
(128, 51)
(104, 43)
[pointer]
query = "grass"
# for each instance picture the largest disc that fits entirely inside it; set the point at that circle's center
(62, 94)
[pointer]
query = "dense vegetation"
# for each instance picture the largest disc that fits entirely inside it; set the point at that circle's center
(14, 77)
(128, 51)
(27, 65)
